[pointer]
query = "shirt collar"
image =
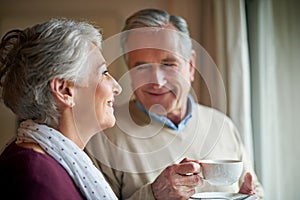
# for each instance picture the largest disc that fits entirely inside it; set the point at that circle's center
(164, 120)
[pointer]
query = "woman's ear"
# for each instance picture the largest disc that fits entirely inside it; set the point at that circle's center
(63, 91)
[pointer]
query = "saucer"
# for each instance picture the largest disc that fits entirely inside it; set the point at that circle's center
(222, 195)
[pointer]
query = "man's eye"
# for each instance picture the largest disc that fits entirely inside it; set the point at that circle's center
(168, 64)
(142, 67)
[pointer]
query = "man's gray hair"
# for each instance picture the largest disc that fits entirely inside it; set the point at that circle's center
(158, 18)
(31, 58)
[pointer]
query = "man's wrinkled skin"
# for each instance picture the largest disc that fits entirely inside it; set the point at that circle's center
(178, 181)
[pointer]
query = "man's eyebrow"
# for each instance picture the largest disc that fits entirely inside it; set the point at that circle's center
(169, 59)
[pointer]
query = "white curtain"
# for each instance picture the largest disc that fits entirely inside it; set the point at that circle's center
(234, 57)
(274, 31)
(224, 35)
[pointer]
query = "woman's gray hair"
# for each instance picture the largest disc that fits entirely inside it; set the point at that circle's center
(31, 58)
(158, 18)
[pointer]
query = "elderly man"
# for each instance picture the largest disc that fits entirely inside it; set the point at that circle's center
(162, 133)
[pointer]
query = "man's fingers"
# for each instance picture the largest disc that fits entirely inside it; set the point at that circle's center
(188, 168)
(186, 191)
(186, 174)
(247, 186)
(248, 181)
(173, 183)
(189, 160)
(189, 181)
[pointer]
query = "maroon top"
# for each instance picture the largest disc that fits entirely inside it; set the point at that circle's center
(27, 174)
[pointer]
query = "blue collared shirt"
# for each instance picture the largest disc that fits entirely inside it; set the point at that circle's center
(166, 121)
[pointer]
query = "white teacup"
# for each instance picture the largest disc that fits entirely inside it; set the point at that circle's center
(221, 172)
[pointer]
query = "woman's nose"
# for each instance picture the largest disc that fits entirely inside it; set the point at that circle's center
(117, 89)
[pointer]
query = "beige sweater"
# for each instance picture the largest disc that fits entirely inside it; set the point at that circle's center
(135, 151)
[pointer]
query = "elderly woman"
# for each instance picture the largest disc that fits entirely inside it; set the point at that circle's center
(55, 79)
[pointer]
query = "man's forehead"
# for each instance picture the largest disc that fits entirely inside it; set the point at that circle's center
(155, 38)
(150, 52)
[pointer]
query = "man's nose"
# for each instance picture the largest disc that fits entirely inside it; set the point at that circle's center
(158, 76)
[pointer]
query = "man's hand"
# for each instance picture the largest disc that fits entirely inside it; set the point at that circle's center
(247, 186)
(177, 181)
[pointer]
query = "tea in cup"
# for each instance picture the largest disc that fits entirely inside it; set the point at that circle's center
(221, 172)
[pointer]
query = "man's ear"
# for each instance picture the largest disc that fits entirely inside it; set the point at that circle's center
(192, 65)
(63, 91)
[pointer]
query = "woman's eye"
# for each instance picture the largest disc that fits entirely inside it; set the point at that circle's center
(105, 73)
